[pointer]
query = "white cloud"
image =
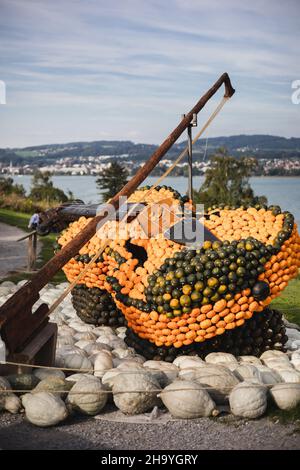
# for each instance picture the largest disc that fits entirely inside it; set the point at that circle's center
(144, 62)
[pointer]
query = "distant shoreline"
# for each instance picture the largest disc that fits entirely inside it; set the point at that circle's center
(157, 176)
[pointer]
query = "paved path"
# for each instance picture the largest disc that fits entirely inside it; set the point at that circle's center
(13, 254)
(90, 433)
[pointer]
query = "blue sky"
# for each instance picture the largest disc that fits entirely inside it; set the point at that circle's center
(127, 69)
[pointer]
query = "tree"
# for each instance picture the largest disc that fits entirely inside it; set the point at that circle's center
(8, 187)
(42, 188)
(227, 182)
(111, 180)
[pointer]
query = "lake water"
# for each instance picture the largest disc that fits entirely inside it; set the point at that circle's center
(284, 191)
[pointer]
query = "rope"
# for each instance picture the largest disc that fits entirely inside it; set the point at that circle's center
(157, 390)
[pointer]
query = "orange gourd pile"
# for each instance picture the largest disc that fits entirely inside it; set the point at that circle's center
(205, 307)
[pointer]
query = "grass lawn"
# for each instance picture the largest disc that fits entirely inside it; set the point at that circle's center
(289, 301)
(20, 220)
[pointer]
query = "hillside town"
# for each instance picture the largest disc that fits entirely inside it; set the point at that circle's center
(94, 165)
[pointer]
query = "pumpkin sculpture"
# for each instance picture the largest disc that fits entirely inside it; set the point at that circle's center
(177, 300)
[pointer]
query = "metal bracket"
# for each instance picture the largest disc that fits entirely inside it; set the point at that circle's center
(193, 123)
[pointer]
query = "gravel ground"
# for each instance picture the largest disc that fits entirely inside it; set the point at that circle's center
(203, 434)
(13, 254)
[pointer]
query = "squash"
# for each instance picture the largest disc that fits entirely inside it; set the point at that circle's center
(220, 358)
(271, 354)
(108, 378)
(8, 401)
(4, 385)
(44, 409)
(22, 381)
(12, 403)
(65, 340)
(122, 353)
(191, 362)
(170, 370)
(85, 336)
(286, 396)
(94, 348)
(102, 363)
(136, 392)
(187, 400)
(219, 379)
(180, 360)
(76, 361)
(248, 400)
(295, 359)
(44, 373)
(199, 308)
(83, 343)
(289, 375)
(268, 376)
(246, 372)
(249, 360)
(53, 384)
(80, 375)
(88, 403)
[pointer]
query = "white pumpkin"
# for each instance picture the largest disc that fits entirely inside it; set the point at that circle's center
(75, 362)
(247, 371)
(100, 330)
(278, 363)
(191, 362)
(219, 379)
(104, 352)
(44, 409)
(85, 336)
(108, 378)
(102, 363)
(271, 354)
(56, 385)
(81, 327)
(75, 377)
(249, 360)
(220, 358)
(136, 392)
(170, 370)
(286, 396)
(122, 353)
(70, 349)
(65, 340)
(187, 400)
(44, 373)
(4, 385)
(180, 360)
(12, 403)
(66, 330)
(128, 364)
(268, 376)
(83, 401)
(83, 343)
(295, 360)
(248, 400)
(289, 375)
(94, 348)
